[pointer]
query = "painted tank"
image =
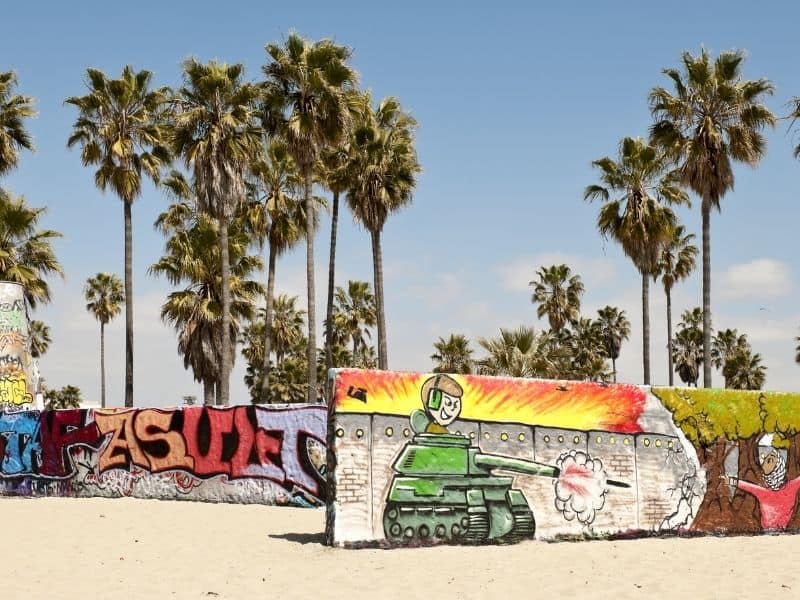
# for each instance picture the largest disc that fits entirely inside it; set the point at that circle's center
(444, 489)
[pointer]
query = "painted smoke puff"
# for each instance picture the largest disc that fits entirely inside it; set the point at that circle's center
(444, 488)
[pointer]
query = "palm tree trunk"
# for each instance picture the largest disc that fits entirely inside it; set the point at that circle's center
(331, 284)
(312, 318)
(614, 368)
(217, 393)
(377, 266)
(208, 393)
(264, 397)
(225, 367)
(102, 365)
(706, 210)
(669, 336)
(128, 305)
(646, 327)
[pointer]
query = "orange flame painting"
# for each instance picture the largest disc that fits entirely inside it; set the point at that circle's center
(565, 404)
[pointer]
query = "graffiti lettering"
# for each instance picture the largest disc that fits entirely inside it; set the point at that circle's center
(14, 390)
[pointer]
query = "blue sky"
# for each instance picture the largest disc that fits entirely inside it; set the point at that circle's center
(514, 101)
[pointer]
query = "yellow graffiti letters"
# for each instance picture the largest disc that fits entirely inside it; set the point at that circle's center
(14, 390)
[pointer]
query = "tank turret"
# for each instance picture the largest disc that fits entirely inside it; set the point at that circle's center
(444, 489)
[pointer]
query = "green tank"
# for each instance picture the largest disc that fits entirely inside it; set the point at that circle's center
(444, 489)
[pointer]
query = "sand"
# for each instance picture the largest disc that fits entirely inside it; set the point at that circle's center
(126, 548)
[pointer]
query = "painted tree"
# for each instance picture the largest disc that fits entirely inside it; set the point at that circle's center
(557, 294)
(639, 218)
(712, 119)
(384, 166)
(305, 105)
(120, 129)
(14, 110)
(26, 252)
(452, 355)
(214, 131)
(676, 263)
(104, 295)
(614, 329)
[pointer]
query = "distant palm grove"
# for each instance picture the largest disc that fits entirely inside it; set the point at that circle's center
(250, 168)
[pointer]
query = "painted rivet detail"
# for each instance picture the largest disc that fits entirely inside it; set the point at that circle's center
(626, 441)
(612, 440)
(486, 435)
(599, 439)
(646, 441)
(504, 436)
(521, 437)
(658, 443)
(389, 432)
(340, 432)
(547, 439)
(406, 432)
(576, 439)
(670, 444)
(359, 433)
(561, 439)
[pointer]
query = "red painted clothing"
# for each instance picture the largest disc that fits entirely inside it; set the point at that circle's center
(777, 506)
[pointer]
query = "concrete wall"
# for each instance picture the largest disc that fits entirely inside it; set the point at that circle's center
(245, 454)
(18, 374)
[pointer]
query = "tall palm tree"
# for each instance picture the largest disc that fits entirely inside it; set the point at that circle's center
(26, 253)
(287, 326)
(687, 346)
(676, 263)
(516, 353)
(744, 370)
(797, 350)
(120, 128)
(39, 338)
(794, 116)
(713, 118)
(614, 329)
(558, 295)
(453, 355)
(282, 226)
(215, 134)
(639, 218)
(104, 296)
(14, 109)
(305, 104)
(384, 166)
(355, 313)
(192, 259)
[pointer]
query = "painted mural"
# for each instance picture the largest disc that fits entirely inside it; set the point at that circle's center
(18, 374)
(248, 454)
(420, 458)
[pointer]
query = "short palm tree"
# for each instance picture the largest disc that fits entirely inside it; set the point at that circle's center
(558, 295)
(26, 253)
(282, 226)
(305, 105)
(614, 329)
(384, 167)
(39, 338)
(215, 134)
(104, 298)
(676, 263)
(14, 109)
(587, 351)
(452, 355)
(744, 370)
(120, 128)
(639, 218)
(355, 313)
(516, 353)
(67, 397)
(726, 344)
(712, 119)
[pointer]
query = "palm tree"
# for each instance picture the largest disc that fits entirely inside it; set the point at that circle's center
(676, 263)
(516, 353)
(282, 225)
(14, 109)
(39, 338)
(355, 312)
(287, 326)
(713, 118)
(744, 370)
(687, 347)
(587, 351)
(384, 166)
(797, 350)
(558, 295)
(192, 259)
(794, 116)
(120, 129)
(614, 329)
(306, 106)
(215, 134)
(67, 397)
(104, 295)
(639, 218)
(26, 253)
(453, 355)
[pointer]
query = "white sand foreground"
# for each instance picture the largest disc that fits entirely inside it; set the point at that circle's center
(126, 548)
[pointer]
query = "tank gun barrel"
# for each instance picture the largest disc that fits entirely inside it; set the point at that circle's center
(493, 461)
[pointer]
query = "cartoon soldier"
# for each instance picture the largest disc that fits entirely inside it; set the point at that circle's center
(441, 397)
(778, 498)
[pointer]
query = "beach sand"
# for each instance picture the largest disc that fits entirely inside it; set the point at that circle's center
(127, 548)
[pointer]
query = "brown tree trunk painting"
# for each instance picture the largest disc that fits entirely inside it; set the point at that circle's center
(744, 506)
(714, 514)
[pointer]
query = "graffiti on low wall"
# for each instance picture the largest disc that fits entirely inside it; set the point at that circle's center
(241, 454)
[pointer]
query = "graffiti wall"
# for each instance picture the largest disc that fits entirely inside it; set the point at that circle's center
(247, 454)
(419, 458)
(17, 371)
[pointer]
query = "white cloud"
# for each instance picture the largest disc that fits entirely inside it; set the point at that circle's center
(517, 273)
(759, 278)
